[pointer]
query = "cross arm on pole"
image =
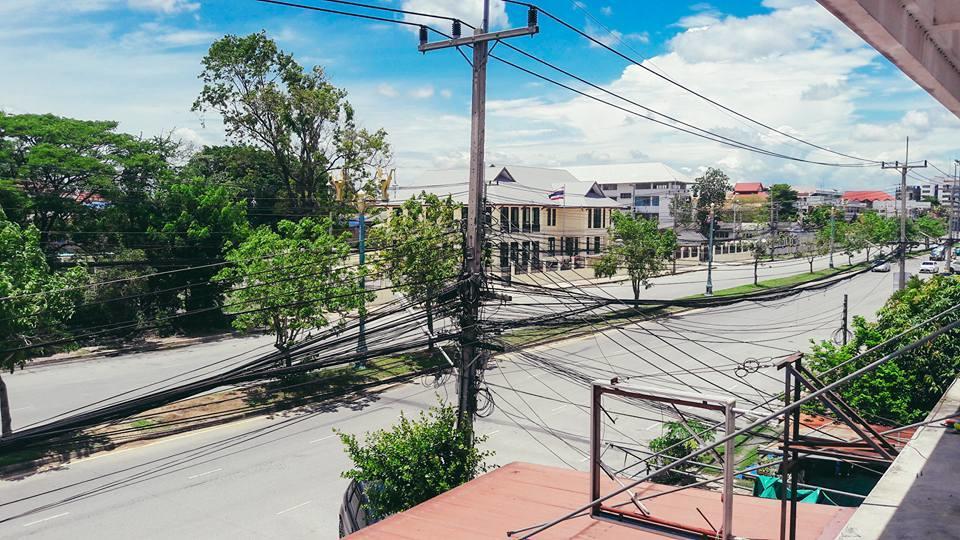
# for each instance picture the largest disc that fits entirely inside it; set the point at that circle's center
(478, 38)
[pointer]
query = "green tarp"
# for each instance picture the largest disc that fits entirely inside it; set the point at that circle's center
(770, 487)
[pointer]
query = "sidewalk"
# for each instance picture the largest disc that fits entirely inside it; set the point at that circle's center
(917, 496)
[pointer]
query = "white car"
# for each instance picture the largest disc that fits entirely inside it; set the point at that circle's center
(881, 266)
(929, 267)
(955, 265)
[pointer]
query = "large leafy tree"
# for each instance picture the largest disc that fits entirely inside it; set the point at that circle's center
(675, 442)
(640, 247)
(307, 125)
(710, 189)
(784, 198)
(415, 460)
(291, 280)
(930, 227)
(418, 248)
(902, 390)
(68, 169)
(193, 222)
(34, 301)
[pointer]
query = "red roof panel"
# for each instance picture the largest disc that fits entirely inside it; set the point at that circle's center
(865, 196)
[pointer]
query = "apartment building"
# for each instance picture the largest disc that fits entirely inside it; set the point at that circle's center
(642, 188)
(810, 198)
(540, 218)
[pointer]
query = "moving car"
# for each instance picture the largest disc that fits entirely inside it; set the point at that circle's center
(937, 253)
(881, 266)
(929, 267)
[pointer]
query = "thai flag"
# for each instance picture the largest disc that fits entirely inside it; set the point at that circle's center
(558, 195)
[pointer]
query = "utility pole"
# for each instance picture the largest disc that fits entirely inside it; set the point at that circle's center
(843, 327)
(709, 291)
(952, 220)
(833, 232)
(903, 168)
(472, 279)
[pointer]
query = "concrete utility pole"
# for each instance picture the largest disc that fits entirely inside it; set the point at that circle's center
(903, 168)
(833, 231)
(471, 284)
(952, 220)
(709, 291)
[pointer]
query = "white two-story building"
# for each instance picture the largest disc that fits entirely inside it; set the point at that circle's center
(642, 188)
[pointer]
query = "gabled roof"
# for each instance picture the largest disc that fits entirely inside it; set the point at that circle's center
(867, 196)
(622, 173)
(748, 187)
(509, 185)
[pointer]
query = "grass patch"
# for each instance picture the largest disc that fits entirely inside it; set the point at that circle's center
(786, 281)
(143, 423)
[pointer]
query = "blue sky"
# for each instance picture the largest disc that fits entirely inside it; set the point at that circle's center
(788, 63)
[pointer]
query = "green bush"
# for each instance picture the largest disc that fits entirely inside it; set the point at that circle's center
(414, 461)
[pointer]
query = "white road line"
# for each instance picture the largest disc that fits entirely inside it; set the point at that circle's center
(560, 408)
(293, 507)
(651, 427)
(494, 432)
(45, 519)
(203, 474)
(25, 407)
(323, 438)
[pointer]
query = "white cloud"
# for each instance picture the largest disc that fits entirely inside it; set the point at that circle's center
(387, 90)
(607, 10)
(168, 7)
(446, 93)
(469, 11)
(422, 92)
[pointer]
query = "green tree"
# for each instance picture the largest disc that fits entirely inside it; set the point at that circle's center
(876, 230)
(67, 167)
(307, 125)
(291, 280)
(34, 301)
(818, 217)
(930, 227)
(418, 248)
(758, 252)
(675, 443)
(815, 246)
(414, 461)
(252, 171)
(193, 222)
(638, 246)
(784, 198)
(905, 389)
(710, 189)
(681, 210)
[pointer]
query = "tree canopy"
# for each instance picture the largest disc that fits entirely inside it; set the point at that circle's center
(784, 199)
(638, 246)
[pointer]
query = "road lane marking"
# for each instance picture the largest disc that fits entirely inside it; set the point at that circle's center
(323, 438)
(494, 432)
(204, 474)
(560, 408)
(25, 407)
(294, 508)
(45, 519)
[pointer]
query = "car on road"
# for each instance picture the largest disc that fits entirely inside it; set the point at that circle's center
(929, 267)
(937, 253)
(881, 266)
(955, 266)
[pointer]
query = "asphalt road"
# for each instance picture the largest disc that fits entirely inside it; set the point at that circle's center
(279, 477)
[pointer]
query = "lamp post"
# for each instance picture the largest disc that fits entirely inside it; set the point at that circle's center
(362, 200)
(709, 291)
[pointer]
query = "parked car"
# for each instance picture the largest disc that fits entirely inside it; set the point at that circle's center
(937, 253)
(929, 267)
(353, 513)
(955, 266)
(881, 266)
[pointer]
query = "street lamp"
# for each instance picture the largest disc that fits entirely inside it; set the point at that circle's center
(710, 257)
(362, 200)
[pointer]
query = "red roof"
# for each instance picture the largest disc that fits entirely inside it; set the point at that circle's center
(867, 196)
(519, 495)
(748, 187)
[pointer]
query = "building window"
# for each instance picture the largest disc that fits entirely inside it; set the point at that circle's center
(504, 255)
(536, 220)
(571, 246)
(551, 217)
(596, 244)
(651, 200)
(551, 246)
(504, 219)
(525, 254)
(514, 219)
(626, 195)
(608, 186)
(513, 252)
(535, 254)
(526, 219)
(643, 186)
(594, 218)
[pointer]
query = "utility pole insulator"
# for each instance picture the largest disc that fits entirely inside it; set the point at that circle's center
(457, 31)
(532, 17)
(423, 35)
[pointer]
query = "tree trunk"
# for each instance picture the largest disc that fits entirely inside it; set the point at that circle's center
(5, 421)
(868, 254)
(429, 306)
(636, 288)
(756, 262)
(811, 265)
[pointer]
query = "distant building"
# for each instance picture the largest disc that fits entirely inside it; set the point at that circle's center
(810, 198)
(749, 188)
(541, 219)
(642, 188)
